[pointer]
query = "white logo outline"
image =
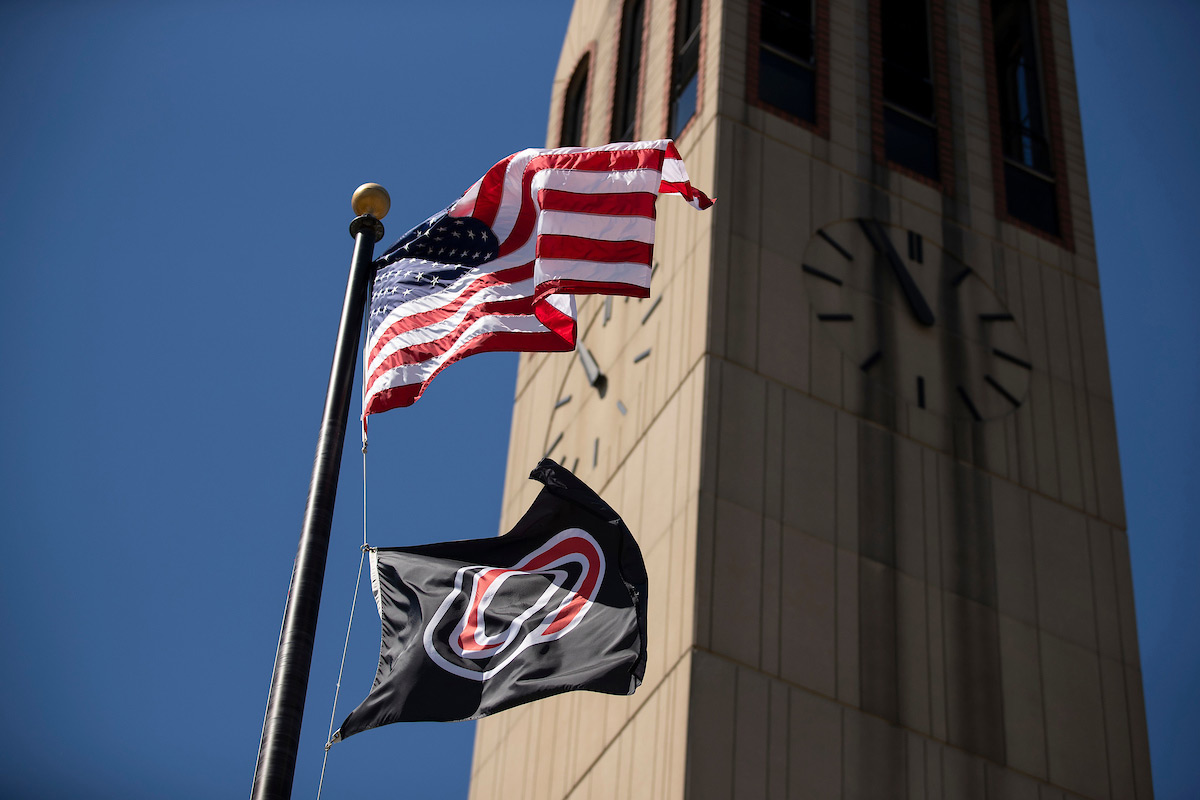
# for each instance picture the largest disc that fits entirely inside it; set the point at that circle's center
(469, 639)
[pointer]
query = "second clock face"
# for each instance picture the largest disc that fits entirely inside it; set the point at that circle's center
(915, 320)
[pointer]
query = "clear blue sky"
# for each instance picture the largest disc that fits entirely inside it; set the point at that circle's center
(174, 192)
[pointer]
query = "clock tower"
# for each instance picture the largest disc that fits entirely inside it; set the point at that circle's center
(863, 426)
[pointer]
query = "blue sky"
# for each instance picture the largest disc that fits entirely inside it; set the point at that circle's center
(174, 195)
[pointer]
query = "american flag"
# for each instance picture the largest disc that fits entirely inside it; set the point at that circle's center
(498, 269)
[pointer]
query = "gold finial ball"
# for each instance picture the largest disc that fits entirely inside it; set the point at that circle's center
(371, 198)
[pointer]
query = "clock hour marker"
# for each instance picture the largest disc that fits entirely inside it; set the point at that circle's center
(957, 280)
(822, 275)
(835, 317)
(1010, 357)
(1007, 395)
(916, 247)
(553, 444)
(596, 452)
(621, 408)
(607, 310)
(845, 253)
(1006, 317)
(562, 401)
(921, 391)
(966, 398)
(912, 293)
(575, 466)
(646, 316)
(641, 356)
(871, 360)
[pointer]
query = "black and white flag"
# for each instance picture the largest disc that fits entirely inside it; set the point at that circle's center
(473, 627)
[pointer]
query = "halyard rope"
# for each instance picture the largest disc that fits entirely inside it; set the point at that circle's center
(357, 581)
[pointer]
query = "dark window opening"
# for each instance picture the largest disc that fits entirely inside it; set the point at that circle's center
(787, 58)
(629, 65)
(574, 105)
(910, 127)
(685, 67)
(1028, 167)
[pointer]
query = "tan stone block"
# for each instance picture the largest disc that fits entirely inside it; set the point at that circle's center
(1106, 594)
(1070, 471)
(1005, 784)
(1138, 733)
(872, 757)
(1123, 573)
(737, 574)
(659, 506)
(846, 481)
(742, 155)
(846, 619)
(1118, 748)
(751, 720)
(974, 689)
(909, 508)
(781, 206)
(825, 191)
(783, 322)
(1107, 461)
(711, 727)
(1064, 574)
(741, 298)
(1095, 348)
(1041, 408)
(937, 663)
(1055, 317)
(1074, 719)
(962, 775)
(742, 432)
(1087, 464)
(807, 614)
(658, 569)
(1015, 583)
(1023, 431)
(775, 575)
(814, 746)
(1025, 736)
(705, 561)
(809, 489)
(912, 655)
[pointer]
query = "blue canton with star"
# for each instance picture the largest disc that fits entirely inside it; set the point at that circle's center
(440, 254)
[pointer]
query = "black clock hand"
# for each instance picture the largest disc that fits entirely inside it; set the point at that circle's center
(883, 245)
(595, 377)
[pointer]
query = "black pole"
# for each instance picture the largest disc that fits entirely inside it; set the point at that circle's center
(289, 683)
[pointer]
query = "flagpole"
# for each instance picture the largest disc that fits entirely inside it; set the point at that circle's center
(276, 764)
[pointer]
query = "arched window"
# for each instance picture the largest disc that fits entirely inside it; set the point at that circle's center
(787, 62)
(909, 122)
(1029, 174)
(574, 106)
(629, 71)
(685, 66)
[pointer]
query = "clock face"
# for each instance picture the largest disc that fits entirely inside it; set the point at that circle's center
(916, 321)
(598, 389)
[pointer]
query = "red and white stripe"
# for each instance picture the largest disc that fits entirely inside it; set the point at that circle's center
(572, 220)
